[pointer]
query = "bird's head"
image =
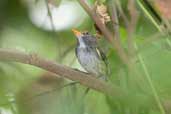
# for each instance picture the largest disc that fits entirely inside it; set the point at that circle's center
(84, 38)
(79, 34)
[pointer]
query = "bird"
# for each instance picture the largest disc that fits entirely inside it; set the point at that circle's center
(90, 55)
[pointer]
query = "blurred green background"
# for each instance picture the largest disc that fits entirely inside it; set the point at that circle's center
(32, 26)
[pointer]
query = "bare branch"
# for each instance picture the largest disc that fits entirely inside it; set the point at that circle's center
(84, 79)
(132, 25)
(50, 15)
(115, 22)
(96, 19)
(121, 12)
(63, 71)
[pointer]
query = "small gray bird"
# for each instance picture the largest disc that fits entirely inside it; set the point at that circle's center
(90, 56)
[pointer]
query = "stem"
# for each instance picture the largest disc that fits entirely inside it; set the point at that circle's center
(149, 16)
(53, 29)
(168, 41)
(131, 27)
(50, 15)
(115, 22)
(121, 12)
(150, 82)
(155, 23)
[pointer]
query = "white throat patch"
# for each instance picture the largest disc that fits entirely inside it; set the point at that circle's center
(81, 42)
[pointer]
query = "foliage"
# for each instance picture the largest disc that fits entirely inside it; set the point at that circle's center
(146, 79)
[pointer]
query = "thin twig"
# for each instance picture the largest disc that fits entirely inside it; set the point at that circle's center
(114, 17)
(132, 26)
(51, 90)
(125, 19)
(115, 22)
(97, 20)
(50, 15)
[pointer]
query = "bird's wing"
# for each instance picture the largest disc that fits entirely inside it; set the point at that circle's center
(104, 63)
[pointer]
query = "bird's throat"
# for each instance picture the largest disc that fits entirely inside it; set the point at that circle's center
(81, 43)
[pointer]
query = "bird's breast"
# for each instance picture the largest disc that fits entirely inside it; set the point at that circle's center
(88, 59)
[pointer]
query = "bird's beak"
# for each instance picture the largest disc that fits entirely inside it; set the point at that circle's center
(76, 32)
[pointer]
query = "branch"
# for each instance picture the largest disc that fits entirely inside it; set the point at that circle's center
(108, 35)
(61, 70)
(96, 19)
(89, 81)
(115, 22)
(121, 12)
(132, 26)
(50, 15)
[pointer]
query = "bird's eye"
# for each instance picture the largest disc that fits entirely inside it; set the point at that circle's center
(85, 33)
